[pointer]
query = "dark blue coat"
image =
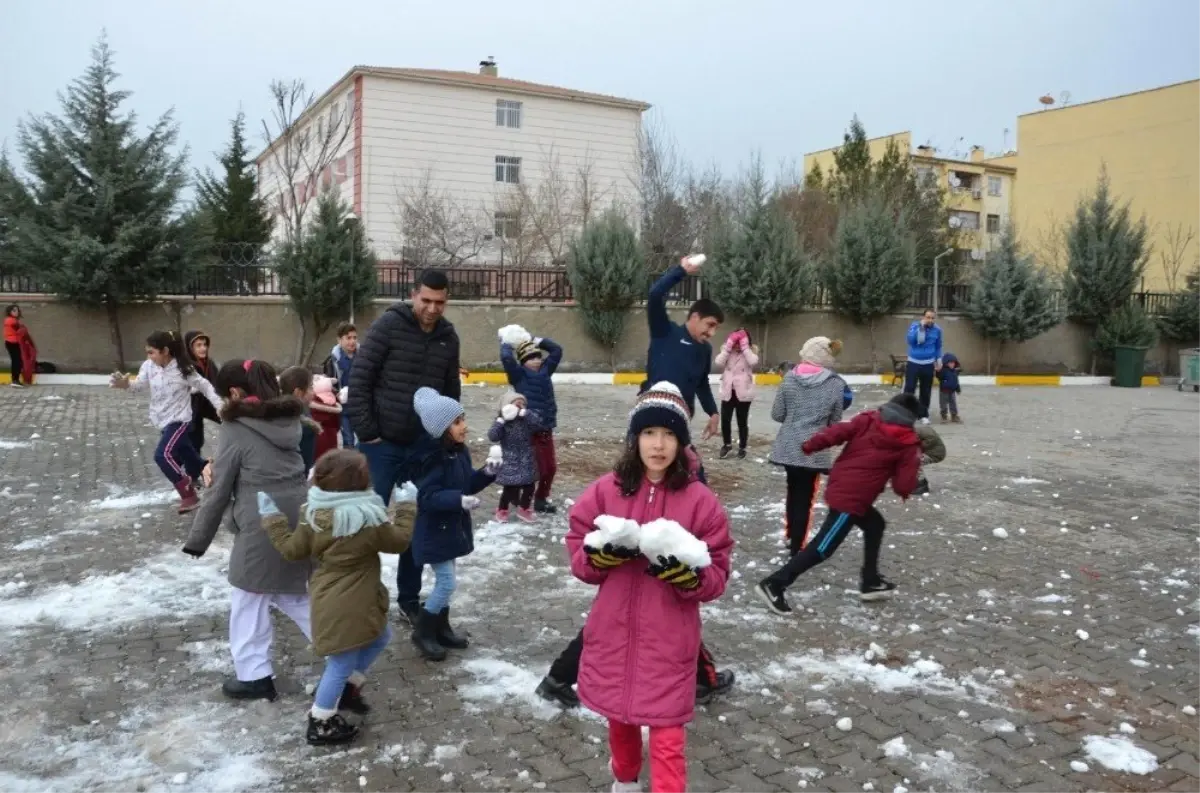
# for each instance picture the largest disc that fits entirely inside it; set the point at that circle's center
(674, 355)
(537, 387)
(443, 528)
(948, 377)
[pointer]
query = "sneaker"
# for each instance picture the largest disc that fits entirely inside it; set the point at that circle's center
(526, 515)
(945, 418)
(922, 488)
(352, 700)
(741, 454)
(880, 590)
(956, 419)
(725, 450)
(263, 688)
(553, 691)
(15, 385)
(775, 598)
(501, 516)
(544, 507)
(925, 421)
(623, 787)
(705, 692)
(324, 732)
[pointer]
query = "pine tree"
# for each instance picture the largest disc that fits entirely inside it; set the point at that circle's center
(1128, 326)
(1012, 299)
(871, 272)
(237, 220)
(759, 270)
(98, 216)
(1181, 322)
(1106, 256)
(329, 272)
(851, 177)
(608, 276)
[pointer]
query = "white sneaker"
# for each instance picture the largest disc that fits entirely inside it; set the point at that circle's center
(925, 421)
(623, 787)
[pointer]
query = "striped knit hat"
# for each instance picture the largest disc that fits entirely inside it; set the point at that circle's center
(527, 350)
(661, 405)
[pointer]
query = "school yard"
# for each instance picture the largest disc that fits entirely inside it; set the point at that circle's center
(1061, 656)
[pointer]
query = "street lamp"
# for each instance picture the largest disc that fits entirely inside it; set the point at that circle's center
(348, 223)
(941, 255)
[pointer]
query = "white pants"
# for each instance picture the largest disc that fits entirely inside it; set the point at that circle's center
(251, 633)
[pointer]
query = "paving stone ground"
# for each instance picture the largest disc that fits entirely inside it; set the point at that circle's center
(1000, 655)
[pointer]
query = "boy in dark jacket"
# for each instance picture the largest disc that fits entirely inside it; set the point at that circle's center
(948, 387)
(530, 367)
(199, 347)
(880, 445)
(337, 366)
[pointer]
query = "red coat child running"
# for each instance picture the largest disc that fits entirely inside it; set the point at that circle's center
(875, 448)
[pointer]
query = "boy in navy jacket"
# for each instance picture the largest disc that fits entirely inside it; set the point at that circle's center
(949, 388)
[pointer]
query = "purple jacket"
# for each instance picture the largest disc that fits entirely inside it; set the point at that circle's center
(642, 635)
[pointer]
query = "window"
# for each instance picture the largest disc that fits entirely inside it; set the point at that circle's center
(924, 175)
(508, 113)
(964, 220)
(507, 225)
(993, 224)
(508, 169)
(994, 185)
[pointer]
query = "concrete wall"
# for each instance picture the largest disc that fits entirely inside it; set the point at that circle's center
(78, 341)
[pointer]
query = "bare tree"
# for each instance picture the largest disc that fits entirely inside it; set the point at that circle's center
(709, 202)
(588, 193)
(548, 207)
(657, 183)
(1050, 246)
(1173, 253)
(303, 141)
(436, 228)
(519, 243)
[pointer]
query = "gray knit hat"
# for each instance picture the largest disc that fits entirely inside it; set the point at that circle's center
(437, 412)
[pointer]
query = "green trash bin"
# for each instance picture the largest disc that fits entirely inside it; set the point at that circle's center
(1130, 363)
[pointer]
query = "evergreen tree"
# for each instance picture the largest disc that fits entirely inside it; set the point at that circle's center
(97, 218)
(1106, 256)
(1012, 299)
(1128, 326)
(1180, 325)
(872, 270)
(608, 276)
(851, 177)
(759, 271)
(329, 272)
(237, 220)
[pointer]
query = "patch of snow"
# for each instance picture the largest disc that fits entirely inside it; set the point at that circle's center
(133, 500)
(14, 444)
(998, 725)
(895, 747)
(500, 683)
(1000, 533)
(1079, 767)
(1083, 635)
(1118, 753)
(845, 724)
(943, 767)
(1127, 728)
(1051, 599)
(1029, 480)
(1189, 710)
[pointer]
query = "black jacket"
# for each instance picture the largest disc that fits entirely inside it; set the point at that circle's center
(393, 361)
(201, 407)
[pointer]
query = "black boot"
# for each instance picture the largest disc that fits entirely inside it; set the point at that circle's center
(335, 729)
(409, 610)
(706, 691)
(446, 635)
(352, 700)
(263, 688)
(552, 690)
(922, 488)
(424, 635)
(544, 507)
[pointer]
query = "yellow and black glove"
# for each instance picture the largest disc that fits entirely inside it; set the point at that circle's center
(675, 572)
(610, 556)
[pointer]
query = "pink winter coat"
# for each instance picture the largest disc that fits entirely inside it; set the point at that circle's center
(737, 378)
(643, 635)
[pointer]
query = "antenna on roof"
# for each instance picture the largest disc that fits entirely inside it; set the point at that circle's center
(488, 67)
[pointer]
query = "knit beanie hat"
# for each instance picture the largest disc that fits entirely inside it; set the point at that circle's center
(527, 350)
(820, 350)
(661, 405)
(510, 397)
(437, 412)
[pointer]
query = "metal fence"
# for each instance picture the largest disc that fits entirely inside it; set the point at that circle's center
(497, 284)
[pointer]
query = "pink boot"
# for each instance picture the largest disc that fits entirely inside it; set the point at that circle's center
(501, 516)
(526, 515)
(188, 500)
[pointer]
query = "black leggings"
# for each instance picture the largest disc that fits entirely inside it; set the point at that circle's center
(826, 541)
(14, 357)
(565, 668)
(802, 485)
(521, 495)
(728, 408)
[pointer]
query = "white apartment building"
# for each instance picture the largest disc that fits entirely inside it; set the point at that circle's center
(461, 167)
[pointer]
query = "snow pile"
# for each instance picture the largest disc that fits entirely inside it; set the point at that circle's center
(14, 444)
(619, 532)
(513, 335)
(498, 683)
(895, 747)
(118, 500)
(1118, 753)
(663, 538)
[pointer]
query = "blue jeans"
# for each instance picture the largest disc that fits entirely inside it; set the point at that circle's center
(347, 433)
(443, 587)
(339, 667)
(391, 464)
(919, 375)
(175, 455)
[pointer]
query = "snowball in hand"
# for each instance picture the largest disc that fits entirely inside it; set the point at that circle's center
(406, 492)
(513, 335)
(509, 412)
(667, 538)
(495, 454)
(621, 532)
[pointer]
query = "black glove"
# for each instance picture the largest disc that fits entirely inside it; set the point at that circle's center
(675, 572)
(193, 553)
(610, 556)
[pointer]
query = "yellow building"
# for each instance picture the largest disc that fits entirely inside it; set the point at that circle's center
(1148, 141)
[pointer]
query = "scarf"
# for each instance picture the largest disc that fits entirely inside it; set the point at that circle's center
(351, 511)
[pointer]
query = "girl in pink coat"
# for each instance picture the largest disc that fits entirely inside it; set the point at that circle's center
(643, 630)
(738, 357)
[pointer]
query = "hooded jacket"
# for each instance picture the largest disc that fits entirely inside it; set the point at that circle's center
(809, 400)
(516, 441)
(948, 375)
(207, 368)
(395, 359)
(880, 445)
(258, 450)
(643, 635)
(443, 530)
(537, 387)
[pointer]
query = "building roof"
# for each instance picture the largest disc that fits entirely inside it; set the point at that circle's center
(1045, 110)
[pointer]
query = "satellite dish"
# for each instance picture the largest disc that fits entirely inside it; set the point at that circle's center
(955, 222)
(1046, 100)
(954, 180)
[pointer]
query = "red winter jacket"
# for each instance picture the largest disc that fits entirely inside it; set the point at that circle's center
(880, 445)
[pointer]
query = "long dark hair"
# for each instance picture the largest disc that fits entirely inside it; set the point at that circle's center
(8, 310)
(172, 342)
(630, 470)
(254, 378)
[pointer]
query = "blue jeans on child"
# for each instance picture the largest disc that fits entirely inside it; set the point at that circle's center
(347, 433)
(338, 669)
(443, 587)
(175, 455)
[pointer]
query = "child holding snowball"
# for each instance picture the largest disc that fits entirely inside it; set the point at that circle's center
(446, 489)
(530, 364)
(514, 429)
(657, 543)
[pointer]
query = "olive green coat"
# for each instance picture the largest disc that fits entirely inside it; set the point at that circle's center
(349, 600)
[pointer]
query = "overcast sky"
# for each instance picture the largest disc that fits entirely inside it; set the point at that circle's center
(726, 77)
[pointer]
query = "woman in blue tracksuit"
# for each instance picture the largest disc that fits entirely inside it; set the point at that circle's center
(924, 358)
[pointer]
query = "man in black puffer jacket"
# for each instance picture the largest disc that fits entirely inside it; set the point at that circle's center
(407, 348)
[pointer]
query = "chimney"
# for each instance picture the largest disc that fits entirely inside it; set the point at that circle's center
(977, 154)
(488, 67)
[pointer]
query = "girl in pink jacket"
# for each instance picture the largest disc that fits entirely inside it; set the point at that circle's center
(643, 630)
(738, 356)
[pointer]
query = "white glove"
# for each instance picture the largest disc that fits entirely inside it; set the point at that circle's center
(523, 412)
(344, 394)
(509, 412)
(469, 503)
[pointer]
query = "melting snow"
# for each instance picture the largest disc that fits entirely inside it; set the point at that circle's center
(1118, 753)
(133, 500)
(14, 444)
(922, 675)
(1029, 480)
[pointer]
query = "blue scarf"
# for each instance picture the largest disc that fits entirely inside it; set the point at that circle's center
(351, 511)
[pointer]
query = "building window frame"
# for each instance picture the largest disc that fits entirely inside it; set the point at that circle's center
(968, 220)
(995, 186)
(993, 224)
(508, 169)
(509, 113)
(506, 225)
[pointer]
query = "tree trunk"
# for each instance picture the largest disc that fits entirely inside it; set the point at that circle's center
(874, 357)
(114, 333)
(999, 356)
(1093, 362)
(987, 346)
(318, 332)
(766, 334)
(303, 344)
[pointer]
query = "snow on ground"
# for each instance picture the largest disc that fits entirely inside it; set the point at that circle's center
(1118, 753)
(38, 543)
(14, 444)
(120, 499)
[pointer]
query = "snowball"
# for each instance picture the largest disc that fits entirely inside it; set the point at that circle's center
(845, 724)
(1079, 766)
(362, 781)
(309, 688)
(1127, 728)
(664, 537)
(405, 493)
(895, 747)
(1082, 634)
(180, 778)
(512, 335)
(999, 533)
(1188, 710)
(621, 532)
(495, 453)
